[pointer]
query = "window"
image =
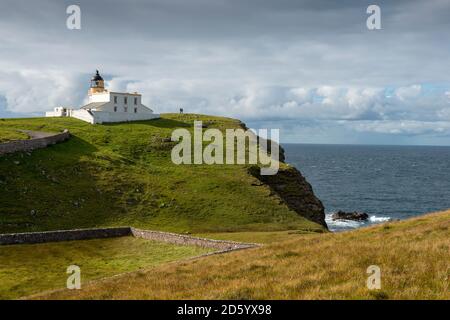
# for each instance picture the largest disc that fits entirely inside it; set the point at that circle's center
(125, 109)
(135, 101)
(135, 110)
(115, 109)
(125, 100)
(115, 99)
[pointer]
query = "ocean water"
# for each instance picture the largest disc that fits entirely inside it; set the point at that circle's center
(387, 182)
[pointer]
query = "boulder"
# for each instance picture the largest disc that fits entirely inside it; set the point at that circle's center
(357, 216)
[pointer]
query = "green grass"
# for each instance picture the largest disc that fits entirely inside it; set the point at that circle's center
(29, 269)
(122, 174)
(413, 256)
(7, 134)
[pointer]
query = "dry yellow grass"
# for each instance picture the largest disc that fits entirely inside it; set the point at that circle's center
(414, 257)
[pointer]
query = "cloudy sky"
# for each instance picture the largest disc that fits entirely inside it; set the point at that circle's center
(310, 68)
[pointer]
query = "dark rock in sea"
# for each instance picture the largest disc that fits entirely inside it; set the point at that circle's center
(356, 216)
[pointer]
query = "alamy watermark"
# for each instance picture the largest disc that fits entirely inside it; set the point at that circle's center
(241, 147)
(373, 22)
(73, 21)
(74, 280)
(374, 280)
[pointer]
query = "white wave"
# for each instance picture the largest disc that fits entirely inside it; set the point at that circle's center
(376, 219)
(341, 225)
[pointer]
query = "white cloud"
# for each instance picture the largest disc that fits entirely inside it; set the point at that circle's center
(402, 127)
(30, 90)
(406, 93)
(407, 112)
(293, 61)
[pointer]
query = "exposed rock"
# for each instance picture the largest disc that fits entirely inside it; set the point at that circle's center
(290, 185)
(295, 191)
(357, 216)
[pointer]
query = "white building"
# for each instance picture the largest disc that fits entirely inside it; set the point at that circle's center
(105, 106)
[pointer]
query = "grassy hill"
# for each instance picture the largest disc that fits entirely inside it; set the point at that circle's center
(122, 174)
(414, 257)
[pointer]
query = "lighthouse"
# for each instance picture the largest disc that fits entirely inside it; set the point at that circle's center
(107, 106)
(97, 84)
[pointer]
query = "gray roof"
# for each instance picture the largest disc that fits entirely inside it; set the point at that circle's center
(93, 105)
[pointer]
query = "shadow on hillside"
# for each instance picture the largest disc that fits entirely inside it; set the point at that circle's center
(80, 146)
(69, 150)
(42, 190)
(157, 123)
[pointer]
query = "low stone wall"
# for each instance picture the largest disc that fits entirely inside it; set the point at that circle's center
(86, 234)
(63, 235)
(180, 239)
(32, 144)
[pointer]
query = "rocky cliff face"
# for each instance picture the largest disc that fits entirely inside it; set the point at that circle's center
(293, 188)
(295, 191)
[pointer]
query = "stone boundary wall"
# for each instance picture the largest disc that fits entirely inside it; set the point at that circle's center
(63, 235)
(32, 144)
(86, 234)
(180, 239)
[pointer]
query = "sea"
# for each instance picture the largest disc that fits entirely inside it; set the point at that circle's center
(387, 182)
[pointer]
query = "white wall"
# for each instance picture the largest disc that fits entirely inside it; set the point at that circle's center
(58, 112)
(83, 115)
(120, 104)
(104, 116)
(53, 114)
(130, 103)
(99, 97)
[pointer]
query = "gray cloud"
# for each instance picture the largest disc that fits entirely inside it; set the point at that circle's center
(290, 61)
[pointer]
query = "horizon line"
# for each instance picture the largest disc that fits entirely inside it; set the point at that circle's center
(367, 144)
